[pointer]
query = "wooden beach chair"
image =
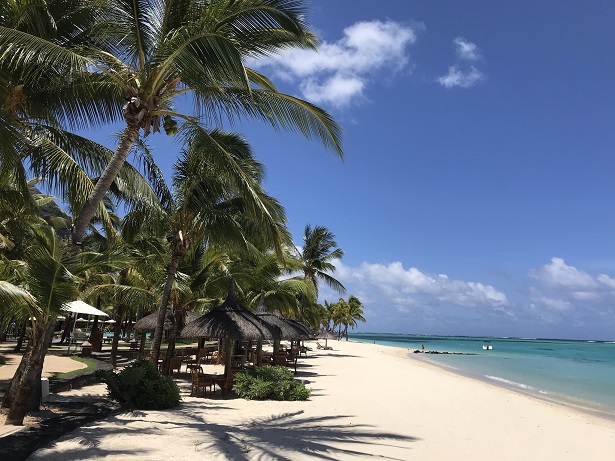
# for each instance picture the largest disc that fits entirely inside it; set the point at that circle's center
(199, 381)
(175, 365)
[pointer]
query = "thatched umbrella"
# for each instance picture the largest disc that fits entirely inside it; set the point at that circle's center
(231, 321)
(148, 323)
(289, 329)
(307, 331)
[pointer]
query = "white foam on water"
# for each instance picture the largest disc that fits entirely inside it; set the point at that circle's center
(511, 383)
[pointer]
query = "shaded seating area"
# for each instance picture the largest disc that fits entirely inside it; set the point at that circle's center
(201, 381)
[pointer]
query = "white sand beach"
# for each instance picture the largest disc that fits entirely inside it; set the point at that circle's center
(367, 401)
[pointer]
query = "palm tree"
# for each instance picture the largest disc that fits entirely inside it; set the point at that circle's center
(31, 136)
(146, 55)
(208, 207)
(314, 259)
(46, 279)
(347, 313)
(319, 249)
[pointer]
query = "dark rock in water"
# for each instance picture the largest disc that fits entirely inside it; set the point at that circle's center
(442, 353)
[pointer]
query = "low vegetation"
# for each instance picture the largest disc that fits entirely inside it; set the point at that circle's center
(270, 383)
(141, 387)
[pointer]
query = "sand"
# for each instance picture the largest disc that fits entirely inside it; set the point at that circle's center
(54, 364)
(367, 401)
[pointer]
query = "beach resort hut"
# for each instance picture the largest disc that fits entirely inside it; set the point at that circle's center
(228, 322)
(289, 329)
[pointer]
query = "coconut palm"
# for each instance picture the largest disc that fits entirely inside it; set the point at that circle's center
(148, 55)
(347, 313)
(314, 261)
(32, 140)
(319, 249)
(209, 207)
(38, 286)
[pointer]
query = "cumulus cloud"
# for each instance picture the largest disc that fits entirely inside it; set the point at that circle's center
(606, 280)
(466, 50)
(338, 73)
(460, 76)
(558, 274)
(553, 304)
(411, 286)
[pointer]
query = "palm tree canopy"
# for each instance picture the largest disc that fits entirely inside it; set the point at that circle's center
(319, 249)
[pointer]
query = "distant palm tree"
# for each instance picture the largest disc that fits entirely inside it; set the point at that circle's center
(350, 312)
(319, 249)
(314, 261)
(141, 57)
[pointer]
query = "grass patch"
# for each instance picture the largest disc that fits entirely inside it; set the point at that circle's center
(69, 374)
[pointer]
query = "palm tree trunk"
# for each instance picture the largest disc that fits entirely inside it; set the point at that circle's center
(166, 294)
(117, 330)
(103, 184)
(22, 335)
(24, 391)
(171, 347)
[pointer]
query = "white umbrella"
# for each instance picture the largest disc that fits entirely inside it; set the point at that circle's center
(110, 321)
(81, 319)
(80, 307)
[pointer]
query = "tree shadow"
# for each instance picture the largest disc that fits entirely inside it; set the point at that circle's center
(281, 436)
(326, 437)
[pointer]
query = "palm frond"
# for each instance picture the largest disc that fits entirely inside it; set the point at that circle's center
(34, 58)
(280, 110)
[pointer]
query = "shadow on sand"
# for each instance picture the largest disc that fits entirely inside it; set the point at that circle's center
(274, 437)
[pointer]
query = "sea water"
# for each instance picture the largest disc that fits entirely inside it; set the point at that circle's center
(579, 373)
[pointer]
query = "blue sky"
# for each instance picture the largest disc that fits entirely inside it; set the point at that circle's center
(477, 196)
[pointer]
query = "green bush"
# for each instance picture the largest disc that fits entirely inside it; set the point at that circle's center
(141, 387)
(269, 383)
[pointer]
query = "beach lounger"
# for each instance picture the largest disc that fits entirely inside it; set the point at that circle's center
(320, 346)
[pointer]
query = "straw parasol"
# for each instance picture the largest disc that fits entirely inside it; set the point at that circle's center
(289, 329)
(231, 321)
(148, 323)
(326, 336)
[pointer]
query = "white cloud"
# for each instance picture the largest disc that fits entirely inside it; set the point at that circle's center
(401, 299)
(606, 280)
(554, 304)
(411, 286)
(338, 90)
(338, 73)
(558, 274)
(466, 50)
(458, 78)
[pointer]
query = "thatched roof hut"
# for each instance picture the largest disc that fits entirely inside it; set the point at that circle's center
(231, 320)
(149, 322)
(289, 329)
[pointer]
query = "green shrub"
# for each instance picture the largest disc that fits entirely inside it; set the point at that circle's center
(140, 386)
(269, 383)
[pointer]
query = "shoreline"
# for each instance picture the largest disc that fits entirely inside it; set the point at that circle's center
(367, 401)
(579, 376)
(586, 407)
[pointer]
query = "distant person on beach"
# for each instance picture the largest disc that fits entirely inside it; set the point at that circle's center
(423, 347)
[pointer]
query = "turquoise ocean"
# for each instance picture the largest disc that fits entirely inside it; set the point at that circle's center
(577, 373)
